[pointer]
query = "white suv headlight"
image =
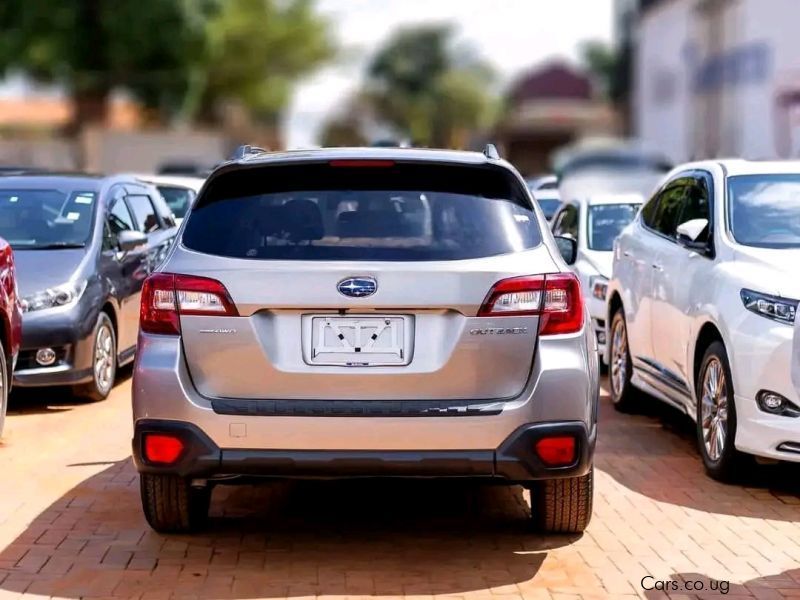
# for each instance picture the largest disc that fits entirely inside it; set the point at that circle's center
(778, 309)
(60, 295)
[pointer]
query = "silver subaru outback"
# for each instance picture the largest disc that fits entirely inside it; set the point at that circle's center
(365, 313)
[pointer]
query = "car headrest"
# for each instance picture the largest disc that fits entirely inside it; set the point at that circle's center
(302, 220)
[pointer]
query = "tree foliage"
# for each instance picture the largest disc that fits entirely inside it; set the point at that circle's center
(189, 54)
(255, 51)
(605, 64)
(423, 86)
(94, 46)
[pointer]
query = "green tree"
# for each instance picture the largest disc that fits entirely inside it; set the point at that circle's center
(604, 64)
(94, 46)
(255, 52)
(419, 83)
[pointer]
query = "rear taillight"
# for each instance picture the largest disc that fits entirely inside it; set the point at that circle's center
(555, 298)
(165, 297)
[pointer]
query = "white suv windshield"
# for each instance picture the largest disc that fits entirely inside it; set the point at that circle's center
(606, 221)
(764, 210)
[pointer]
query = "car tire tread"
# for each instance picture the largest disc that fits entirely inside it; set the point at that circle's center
(171, 505)
(563, 505)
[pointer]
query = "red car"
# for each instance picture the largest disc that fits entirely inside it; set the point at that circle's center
(10, 324)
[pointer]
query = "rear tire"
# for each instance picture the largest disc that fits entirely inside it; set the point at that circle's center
(171, 505)
(623, 395)
(104, 361)
(4, 383)
(563, 505)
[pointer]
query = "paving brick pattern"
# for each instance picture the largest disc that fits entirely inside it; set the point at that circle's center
(71, 525)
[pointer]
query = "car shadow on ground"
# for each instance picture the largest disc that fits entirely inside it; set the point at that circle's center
(355, 538)
(654, 452)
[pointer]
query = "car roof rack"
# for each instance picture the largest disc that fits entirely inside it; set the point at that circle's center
(490, 152)
(247, 150)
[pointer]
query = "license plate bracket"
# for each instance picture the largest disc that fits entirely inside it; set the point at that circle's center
(360, 340)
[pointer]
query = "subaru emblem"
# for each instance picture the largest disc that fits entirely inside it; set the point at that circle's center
(357, 287)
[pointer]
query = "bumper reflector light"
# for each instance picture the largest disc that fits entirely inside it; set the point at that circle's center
(162, 449)
(556, 451)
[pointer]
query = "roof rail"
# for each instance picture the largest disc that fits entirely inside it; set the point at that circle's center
(490, 152)
(245, 151)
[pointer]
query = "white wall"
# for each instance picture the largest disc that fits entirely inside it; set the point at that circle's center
(661, 95)
(697, 96)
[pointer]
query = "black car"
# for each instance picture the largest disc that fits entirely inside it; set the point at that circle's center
(83, 245)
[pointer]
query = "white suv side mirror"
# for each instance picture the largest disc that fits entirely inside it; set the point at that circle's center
(691, 230)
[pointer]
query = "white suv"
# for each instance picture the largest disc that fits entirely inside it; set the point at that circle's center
(701, 307)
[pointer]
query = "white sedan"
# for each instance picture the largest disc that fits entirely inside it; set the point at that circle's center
(702, 308)
(594, 223)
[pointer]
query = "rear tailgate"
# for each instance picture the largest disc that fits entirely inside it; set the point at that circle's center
(284, 245)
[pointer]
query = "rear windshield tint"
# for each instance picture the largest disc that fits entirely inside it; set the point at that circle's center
(397, 212)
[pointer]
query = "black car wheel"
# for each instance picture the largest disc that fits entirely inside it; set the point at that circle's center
(171, 505)
(562, 505)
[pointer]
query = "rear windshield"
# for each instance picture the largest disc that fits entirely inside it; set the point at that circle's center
(342, 211)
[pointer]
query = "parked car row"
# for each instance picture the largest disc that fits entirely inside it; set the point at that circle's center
(696, 295)
(406, 312)
(82, 248)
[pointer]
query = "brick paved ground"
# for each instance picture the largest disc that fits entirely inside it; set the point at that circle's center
(71, 527)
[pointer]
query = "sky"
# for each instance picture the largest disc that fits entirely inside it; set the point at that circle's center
(512, 35)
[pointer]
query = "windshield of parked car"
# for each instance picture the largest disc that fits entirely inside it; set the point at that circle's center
(179, 199)
(764, 210)
(44, 219)
(396, 212)
(549, 206)
(605, 223)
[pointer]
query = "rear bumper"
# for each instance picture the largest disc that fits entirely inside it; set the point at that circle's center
(513, 461)
(563, 387)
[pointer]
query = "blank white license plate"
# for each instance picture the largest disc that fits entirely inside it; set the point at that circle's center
(359, 341)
